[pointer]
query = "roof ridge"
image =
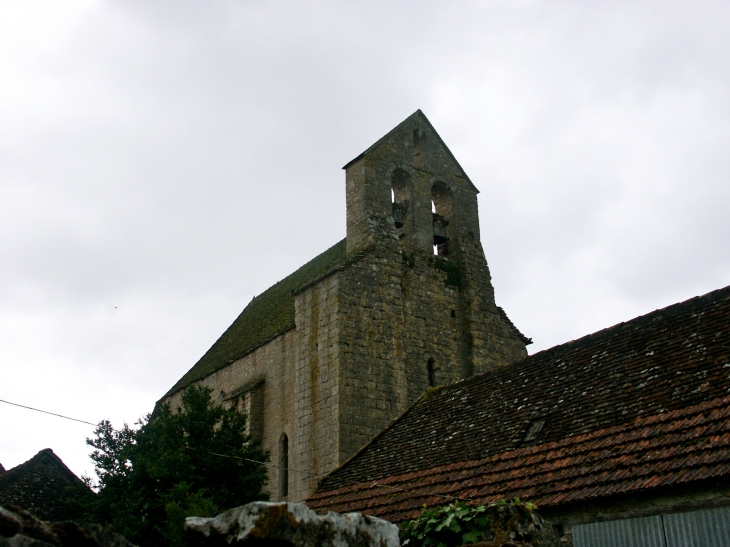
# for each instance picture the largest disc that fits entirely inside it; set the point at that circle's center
(417, 114)
(338, 268)
(675, 308)
(18, 471)
(266, 316)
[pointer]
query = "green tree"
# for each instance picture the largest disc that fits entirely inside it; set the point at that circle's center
(193, 461)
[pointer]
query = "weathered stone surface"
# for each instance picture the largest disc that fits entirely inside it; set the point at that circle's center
(289, 524)
(19, 528)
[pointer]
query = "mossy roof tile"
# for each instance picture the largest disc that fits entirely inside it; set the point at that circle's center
(267, 315)
(653, 391)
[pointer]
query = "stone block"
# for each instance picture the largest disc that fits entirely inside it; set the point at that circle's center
(264, 524)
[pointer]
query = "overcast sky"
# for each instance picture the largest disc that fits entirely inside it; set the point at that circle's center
(163, 162)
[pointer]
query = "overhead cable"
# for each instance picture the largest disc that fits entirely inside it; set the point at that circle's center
(46, 412)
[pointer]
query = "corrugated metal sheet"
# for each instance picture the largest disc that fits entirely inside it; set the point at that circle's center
(707, 528)
(642, 532)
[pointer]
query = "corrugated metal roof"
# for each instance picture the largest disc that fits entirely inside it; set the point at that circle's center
(703, 528)
(639, 532)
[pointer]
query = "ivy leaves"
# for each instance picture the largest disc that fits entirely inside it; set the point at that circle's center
(455, 524)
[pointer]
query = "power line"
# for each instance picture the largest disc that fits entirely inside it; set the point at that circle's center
(307, 474)
(267, 464)
(290, 469)
(46, 412)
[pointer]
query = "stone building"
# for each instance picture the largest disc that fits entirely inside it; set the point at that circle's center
(44, 486)
(622, 438)
(325, 359)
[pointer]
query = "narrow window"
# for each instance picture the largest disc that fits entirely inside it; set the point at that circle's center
(399, 193)
(431, 378)
(284, 466)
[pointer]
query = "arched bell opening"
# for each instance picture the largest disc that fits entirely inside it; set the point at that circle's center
(441, 212)
(400, 194)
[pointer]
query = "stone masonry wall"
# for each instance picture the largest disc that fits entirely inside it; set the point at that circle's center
(366, 335)
(315, 437)
(399, 315)
(428, 173)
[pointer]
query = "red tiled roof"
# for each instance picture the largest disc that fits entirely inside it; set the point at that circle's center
(668, 448)
(640, 405)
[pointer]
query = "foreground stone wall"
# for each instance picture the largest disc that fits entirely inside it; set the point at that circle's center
(19, 528)
(289, 524)
(274, 525)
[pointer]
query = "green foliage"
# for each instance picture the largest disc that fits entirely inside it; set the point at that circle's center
(409, 259)
(453, 273)
(74, 501)
(454, 525)
(428, 394)
(195, 461)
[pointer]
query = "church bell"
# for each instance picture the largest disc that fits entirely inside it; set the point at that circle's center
(439, 223)
(399, 211)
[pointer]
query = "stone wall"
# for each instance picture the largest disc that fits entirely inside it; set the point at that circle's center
(315, 438)
(289, 525)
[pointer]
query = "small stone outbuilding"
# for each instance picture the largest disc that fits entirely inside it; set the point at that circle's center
(45, 487)
(621, 437)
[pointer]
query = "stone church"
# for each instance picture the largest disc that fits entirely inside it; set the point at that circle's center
(327, 358)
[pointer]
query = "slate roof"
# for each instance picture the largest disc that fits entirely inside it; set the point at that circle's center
(44, 486)
(639, 405)
(268, 315)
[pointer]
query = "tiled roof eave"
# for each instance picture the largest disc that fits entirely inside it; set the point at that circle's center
(668, 461)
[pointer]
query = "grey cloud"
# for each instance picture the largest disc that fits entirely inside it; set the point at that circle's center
(172, 159)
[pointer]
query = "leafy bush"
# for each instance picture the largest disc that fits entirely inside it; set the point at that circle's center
(194, 461)
(458, 524)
